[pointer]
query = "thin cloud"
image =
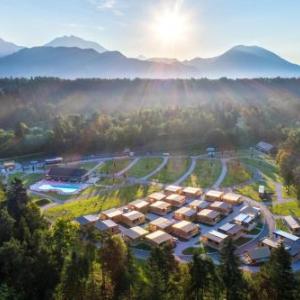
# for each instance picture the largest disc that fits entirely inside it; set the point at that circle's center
(110, 5)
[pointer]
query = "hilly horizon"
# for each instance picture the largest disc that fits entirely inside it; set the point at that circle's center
(74, 41)
(72, 57)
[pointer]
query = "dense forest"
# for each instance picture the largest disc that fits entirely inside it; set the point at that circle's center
(87, 116)
(62, 261)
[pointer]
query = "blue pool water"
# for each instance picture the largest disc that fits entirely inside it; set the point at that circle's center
(66, 188)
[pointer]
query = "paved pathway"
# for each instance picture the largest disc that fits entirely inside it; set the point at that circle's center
(222, 175)
(187, 173)
(128, 167)
(164, 162)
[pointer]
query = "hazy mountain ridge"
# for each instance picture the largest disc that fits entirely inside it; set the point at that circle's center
(59, 58)
(7, 48)
(74, 41)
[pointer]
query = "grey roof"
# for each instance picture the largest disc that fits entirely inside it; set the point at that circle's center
(286, 235)
(259, 253)
(265, 146)
(106, 224)
(83, 220)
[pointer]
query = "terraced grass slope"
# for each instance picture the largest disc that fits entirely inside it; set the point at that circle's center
(114, 166)
(237, 173)
(174, 169)
(96, 203)
(144, 166)
(205, 173)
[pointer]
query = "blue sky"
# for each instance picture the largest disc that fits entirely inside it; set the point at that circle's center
(211, 26)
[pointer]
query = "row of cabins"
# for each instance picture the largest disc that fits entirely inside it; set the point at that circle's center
(262, 253)
(234, 230)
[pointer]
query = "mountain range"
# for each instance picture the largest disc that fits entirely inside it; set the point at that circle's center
(73, 57)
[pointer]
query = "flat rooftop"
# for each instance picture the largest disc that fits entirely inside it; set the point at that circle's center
(159, 237)
(140, 203)
(185, 226)
(176, 198)
(135, 232)
(186, 211)
(208, 213)
(173, 188)
(106, 224)
(192, 190)
(161, 205)
(157, 196)
(199, 203)
(214, 194)
(162, 222)
(292, 222)
(231, 197)
(220, 204)
(133, 215)
(216, 236)
(286, 235)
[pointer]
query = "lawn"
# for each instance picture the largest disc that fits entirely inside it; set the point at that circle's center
(267, 168)
(98, 202)
(28, 179)
(114, 166)
(251, 190)
(144, 166)
(241, 241)
(193, 250)
(88, 165)
(205, 174)
(288, 208)
(172, 171)
(237, 173)
(111, 180)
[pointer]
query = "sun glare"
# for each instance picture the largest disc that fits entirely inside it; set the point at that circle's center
(170, 26)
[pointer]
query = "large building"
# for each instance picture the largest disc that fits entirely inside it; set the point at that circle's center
(67, 174)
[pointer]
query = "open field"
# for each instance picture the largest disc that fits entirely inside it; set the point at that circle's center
(100, 202)
(237, 173)
(114, 166)
(175, 168)
(144, 166)
(288, 208)
(205, 173)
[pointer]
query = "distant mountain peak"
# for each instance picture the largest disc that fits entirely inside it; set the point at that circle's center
(74, 41)
(7, 48)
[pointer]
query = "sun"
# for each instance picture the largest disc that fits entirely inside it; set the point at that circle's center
(170, 26)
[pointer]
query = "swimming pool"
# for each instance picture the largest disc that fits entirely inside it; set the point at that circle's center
(58, 187)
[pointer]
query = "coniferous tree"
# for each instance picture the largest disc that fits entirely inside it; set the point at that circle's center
(276, 278)
(231, 276)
